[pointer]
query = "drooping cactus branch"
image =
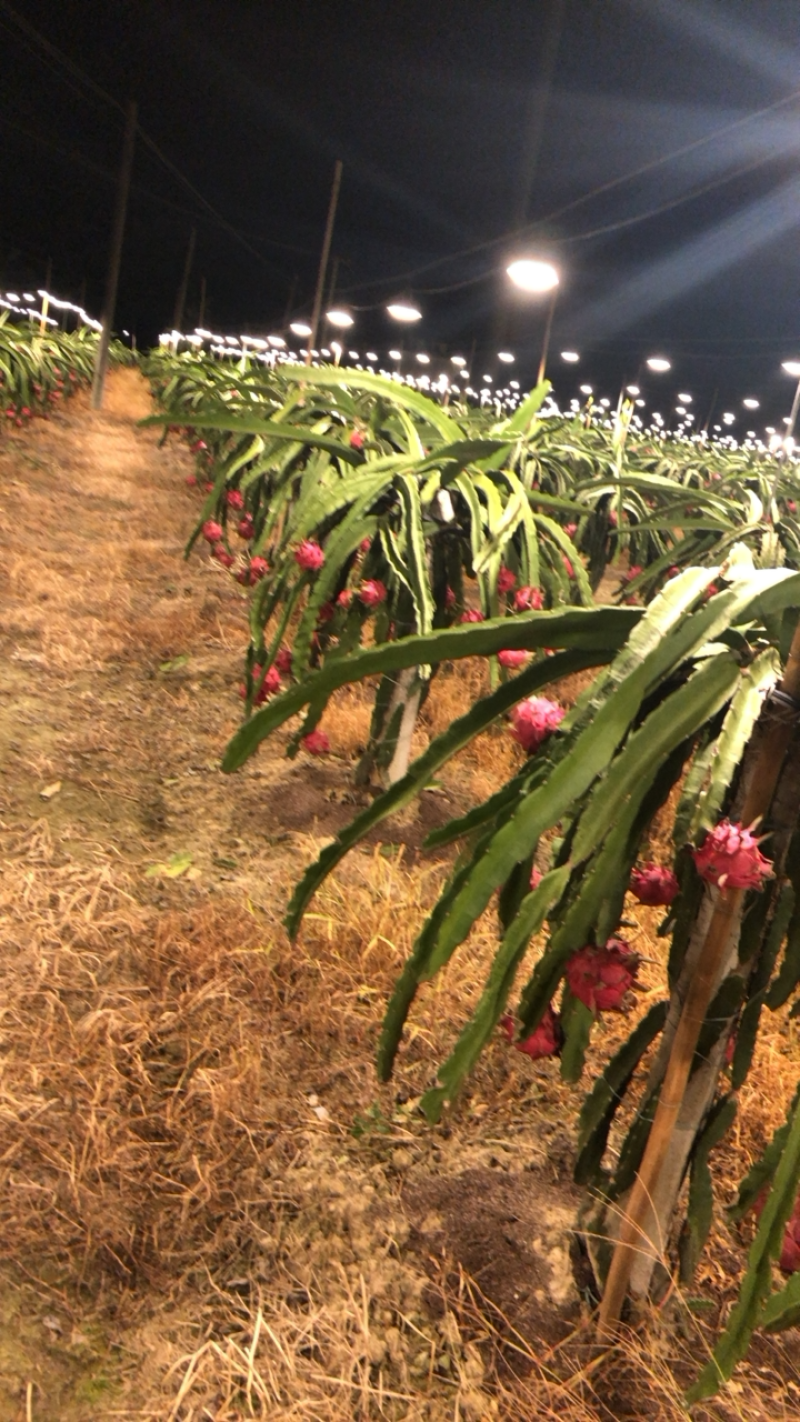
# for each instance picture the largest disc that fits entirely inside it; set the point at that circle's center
(763, 781)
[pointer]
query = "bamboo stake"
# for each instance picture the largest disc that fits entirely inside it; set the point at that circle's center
(763, 784)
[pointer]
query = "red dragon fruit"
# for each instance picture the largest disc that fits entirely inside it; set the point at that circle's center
(356, 440)
(372, 592)
(509, 658)
(528, 599)
(271, 683)
(506, 580)
(730, 857)
(258, 569)
(545, 1040)
(316, 743)
(471, 615)
(654, 885)
(283, 661)
(309, 555)
(600, 977)
(212, 531)
(534, 720)
(234, 499)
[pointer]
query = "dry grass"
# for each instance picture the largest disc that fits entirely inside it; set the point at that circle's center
(204, 1190)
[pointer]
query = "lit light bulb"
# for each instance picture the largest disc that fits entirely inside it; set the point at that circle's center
(532, 275)
(404, 311)
(571, 357)
(340, 318)
(506, 357)
(659, 364)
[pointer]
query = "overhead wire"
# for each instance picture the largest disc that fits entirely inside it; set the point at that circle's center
(519, 233)
(57, 56)
(76, 72)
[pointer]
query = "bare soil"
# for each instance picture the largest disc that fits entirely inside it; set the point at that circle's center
(209, 1208)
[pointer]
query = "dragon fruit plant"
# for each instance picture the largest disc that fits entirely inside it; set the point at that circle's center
(40, 371)
(386, 536)
(689, 690)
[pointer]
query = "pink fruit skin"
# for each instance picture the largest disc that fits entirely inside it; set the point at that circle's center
(600, 977)
(528, 599)
(316, 743)
(259, 567)
(534, 720)
(372, 592)
(544, 1041)
(653, 885)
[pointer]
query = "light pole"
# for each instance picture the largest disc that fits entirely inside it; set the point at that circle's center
(535, 277)
(792, 367)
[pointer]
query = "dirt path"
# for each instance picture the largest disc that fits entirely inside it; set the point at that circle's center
(179, 1085)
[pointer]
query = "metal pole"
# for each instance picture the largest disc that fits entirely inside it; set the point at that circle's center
(114, 257)
(287, 315)
(323, 261)
(710, 410)
(180, 299)
(546, 338)
(793, 415)
(201, 320)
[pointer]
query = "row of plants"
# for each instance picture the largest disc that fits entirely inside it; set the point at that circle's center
(370, 506)
(40, 369)
(358, 506)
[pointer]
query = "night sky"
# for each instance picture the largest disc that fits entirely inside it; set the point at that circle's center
(459, 126)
